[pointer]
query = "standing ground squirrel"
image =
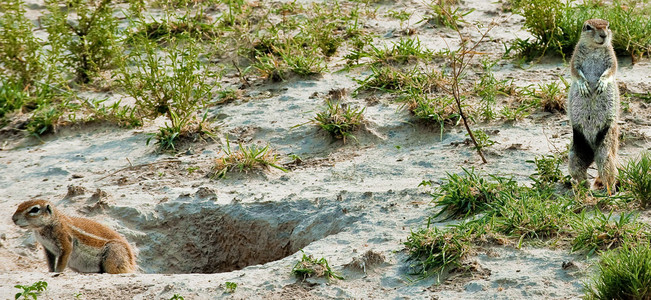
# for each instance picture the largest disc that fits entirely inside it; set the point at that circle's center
(593, 105)
(82, 244)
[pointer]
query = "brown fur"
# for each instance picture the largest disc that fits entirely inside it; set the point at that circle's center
(82, 244)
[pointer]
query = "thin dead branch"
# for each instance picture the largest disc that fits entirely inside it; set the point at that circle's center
(459, 60)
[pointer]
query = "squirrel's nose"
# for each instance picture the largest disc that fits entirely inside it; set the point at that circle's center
(603, 35)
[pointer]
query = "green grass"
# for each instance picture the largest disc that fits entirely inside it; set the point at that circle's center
(503, 212)
(12, 97)
(174, 84)
(635, 179)
(44, 120)
(433, 250)
(440, 13)
(439, 110)
(244, 159)
(483, 139)
(394, 80)
(116, 113)
(20, 51)
(401, 52)
(230, 287)
(599, 232)
(461, 196)
(31, 291)
(548, 171)
(197, 26)
(87, 32)
(531, 214)
(556, 25)
(552, 97)
(623, 274)
(309, 266)
(176, 132)
(488, 88)
(339, 120)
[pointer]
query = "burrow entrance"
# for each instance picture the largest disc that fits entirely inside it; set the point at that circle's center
(210, 238)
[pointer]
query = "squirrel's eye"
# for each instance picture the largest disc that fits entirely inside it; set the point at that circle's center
(34, 210)
(587, 27)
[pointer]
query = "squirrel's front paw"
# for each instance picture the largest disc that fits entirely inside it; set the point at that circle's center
(602, 84)
(584, 89)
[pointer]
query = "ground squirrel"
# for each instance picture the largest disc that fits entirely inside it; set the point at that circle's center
(593, 105)
(82, 244)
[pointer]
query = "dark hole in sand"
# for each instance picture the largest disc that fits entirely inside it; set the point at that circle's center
(210, 238)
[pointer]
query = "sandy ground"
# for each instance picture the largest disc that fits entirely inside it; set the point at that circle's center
(194, 234)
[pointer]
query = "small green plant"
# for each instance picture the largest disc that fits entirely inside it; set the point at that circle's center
(488, 88)
(401, 15)
(304, 64)
(230, 287)
(439, 110)
(44, 120)
(463, 195)
(13, 97)
(196, 26)
(192, 169)
(482, 138)
(635, 179)
(548, 171)
(308, 266)
(270, 67)
(322, 33)
(602, 232)
(177, 297)
(178, 86)
(32, 291)
(435, 250)
(530, 214)
(623, 274)
(339, 120)
(552, 96)
(228, 95)
(441, 14)
(401, 52)
(20, 51)
(116, 113)
(244, 159)
(513, 114)
(88, 31)
(175, 85)
(393, 80)
(556, 25)
(169, 136)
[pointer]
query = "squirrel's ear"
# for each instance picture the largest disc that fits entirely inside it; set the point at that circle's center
(48, 208)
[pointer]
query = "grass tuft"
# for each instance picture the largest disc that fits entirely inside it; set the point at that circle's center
(246, 158)
(601, 232)
(309, 266)
(462, 196)
(436, 250)
(635, 179)
(548, 171)
(623, 274)
(339, 120)
(556, 25)
(439, 110)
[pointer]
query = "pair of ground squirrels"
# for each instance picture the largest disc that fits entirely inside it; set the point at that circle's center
(81, 244)
(593, 105)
